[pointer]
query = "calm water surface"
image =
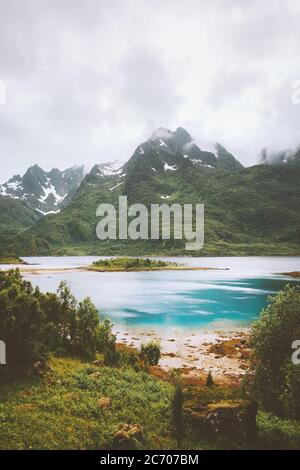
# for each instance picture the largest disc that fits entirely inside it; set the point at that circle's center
(207, 299)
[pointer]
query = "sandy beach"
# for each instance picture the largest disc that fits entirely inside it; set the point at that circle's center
(36, 269)
(223, 352)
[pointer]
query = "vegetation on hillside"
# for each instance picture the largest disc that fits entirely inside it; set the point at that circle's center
(15, 218)
(247, 212)
(11, 260)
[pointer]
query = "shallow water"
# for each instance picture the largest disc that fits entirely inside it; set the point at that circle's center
(206, 299)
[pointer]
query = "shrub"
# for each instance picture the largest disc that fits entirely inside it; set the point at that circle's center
(275, 381)
(107, 344)
(34, 324)
(87, 337)
(277, 433)
(150, 353)
(291, 396)
(22, 322)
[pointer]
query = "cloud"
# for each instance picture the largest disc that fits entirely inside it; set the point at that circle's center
(88, 80)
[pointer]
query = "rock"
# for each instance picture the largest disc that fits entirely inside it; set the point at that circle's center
(226, 420)
(105, 402)
(95, 375)
(39, 368)
(98, 363)
(129, 436)
(170, 354)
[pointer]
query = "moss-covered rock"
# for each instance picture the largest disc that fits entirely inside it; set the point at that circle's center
(234, 420)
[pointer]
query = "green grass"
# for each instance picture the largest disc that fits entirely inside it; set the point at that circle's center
(11, 260)
(61, 410)
(195, 396)
(278, 433)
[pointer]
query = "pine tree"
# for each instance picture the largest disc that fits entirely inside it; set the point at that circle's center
(209, 380)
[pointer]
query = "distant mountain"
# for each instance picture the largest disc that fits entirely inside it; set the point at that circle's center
(283, 157)
(169, 151)
(44, 192)
(247, 210)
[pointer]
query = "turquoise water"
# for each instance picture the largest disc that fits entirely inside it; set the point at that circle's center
(206, 299)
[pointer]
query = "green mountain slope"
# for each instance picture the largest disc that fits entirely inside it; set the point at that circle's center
(247, 210)
(15, 218)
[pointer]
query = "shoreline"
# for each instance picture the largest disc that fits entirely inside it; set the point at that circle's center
(34, 269)
(223, 352)
(163, 268)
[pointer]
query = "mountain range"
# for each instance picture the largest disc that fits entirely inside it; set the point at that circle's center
(45, 193)
(252, 210)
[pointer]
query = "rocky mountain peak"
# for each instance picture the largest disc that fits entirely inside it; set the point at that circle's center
(226, 160)
(44, 192)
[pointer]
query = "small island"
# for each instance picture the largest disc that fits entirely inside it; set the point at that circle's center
(131, 264)
(138, 264)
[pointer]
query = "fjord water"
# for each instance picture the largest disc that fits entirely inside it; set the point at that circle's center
(230, 297)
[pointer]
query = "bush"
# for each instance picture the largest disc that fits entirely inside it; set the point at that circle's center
(150, 353)
(291, 396)
(107, 344)
(275, 381)
(34, 324)
(277, 433)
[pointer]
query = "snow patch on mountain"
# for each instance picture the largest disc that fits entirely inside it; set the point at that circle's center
(15, 185)
(48, 212)
(116, 186)
(50, 190)
(169, 167)
(162, 143)
(110, 169)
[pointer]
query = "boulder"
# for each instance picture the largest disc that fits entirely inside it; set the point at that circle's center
(129, 436)
(225, 420)
(39, 368)
(105, 402)
(95, 375)
(98, 363)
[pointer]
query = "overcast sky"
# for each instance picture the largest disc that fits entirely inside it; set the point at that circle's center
(88, 80)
